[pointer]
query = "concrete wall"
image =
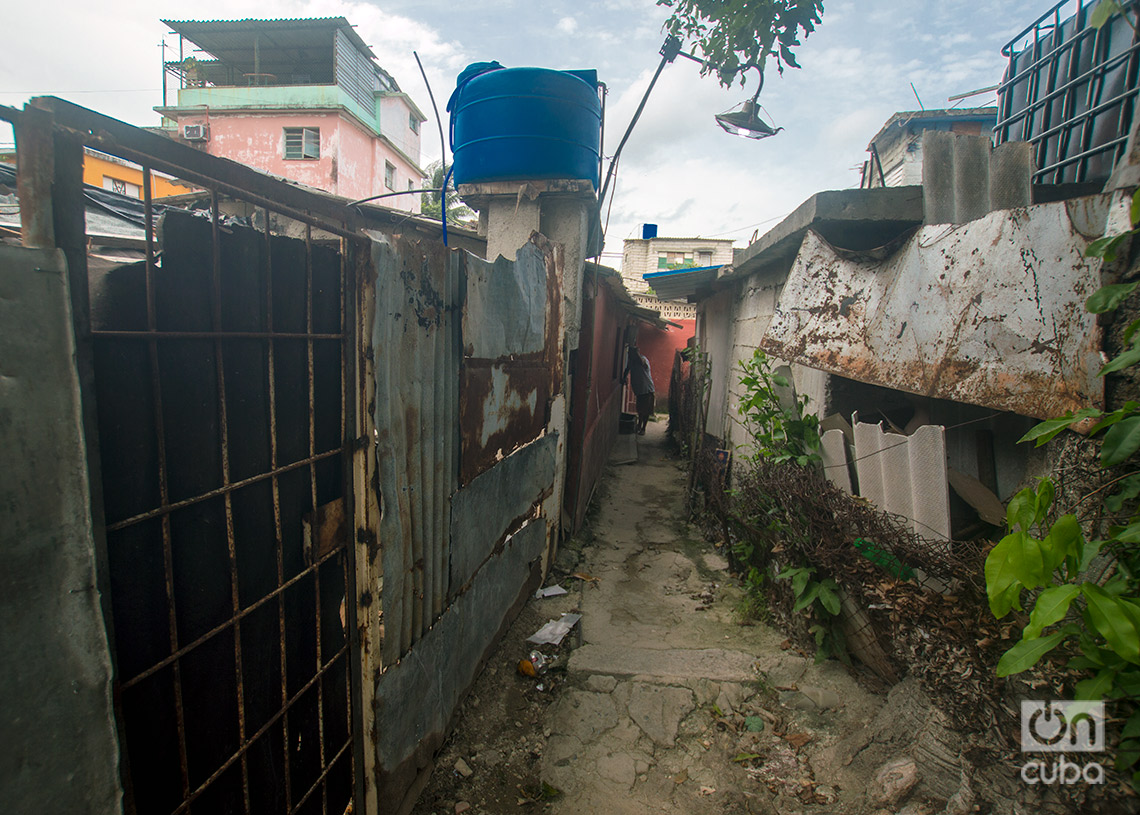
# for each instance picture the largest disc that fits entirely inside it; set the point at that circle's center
(395, 125)
(732, 326)
(61, 751)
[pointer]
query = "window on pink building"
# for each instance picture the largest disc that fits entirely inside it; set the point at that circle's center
(302, 142)
(389, 175)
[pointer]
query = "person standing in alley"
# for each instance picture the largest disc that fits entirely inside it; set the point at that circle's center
(641, 380)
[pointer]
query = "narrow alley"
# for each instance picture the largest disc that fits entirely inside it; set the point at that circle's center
(667, 702)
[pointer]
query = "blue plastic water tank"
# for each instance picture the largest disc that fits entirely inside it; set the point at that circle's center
(525, 123)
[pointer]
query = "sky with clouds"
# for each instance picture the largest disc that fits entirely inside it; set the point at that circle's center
(679, 170)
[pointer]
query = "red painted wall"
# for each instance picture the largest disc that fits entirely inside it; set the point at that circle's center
(659, 347)
(596, 394)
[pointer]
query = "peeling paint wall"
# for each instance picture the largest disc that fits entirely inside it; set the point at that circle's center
(988, 313)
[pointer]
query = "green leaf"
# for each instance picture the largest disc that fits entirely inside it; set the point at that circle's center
(1065, 539)
(1108, 298)
(1044, 500)
(1106, 247)
(1113, 621)
(807, 598)
(782, 381)
(1020, 510)
(1090, 550)
(1127, 490)
(1109, 420)
(1049, 428)
(1052, 605)
(1127, 754)
(1103, 13)
(745, 757)
(1127, 534)
(1129, 683)
(1133, 327)
(1096, 688)
(1132, 727)
(1002, 585)
(799, 582)
(829, 599)
(1029, 562)
(1028, 653)
(1120, 442)
(1121, 361)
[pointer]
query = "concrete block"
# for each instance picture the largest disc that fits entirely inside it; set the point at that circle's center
(1011, 175)
(938, 177)
(971, 177)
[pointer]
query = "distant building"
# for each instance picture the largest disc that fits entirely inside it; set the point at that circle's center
(648, 254)
(641, 256)
(118, 175)
(896, 150)
(301, 99)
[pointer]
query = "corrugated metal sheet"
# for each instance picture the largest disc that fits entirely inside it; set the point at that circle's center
(354, 71)
(416, 350)
(990, 313)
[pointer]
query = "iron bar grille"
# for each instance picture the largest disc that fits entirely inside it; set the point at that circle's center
(1070, 90)
(221, 364)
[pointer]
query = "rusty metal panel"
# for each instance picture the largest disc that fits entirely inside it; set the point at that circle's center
(495, 503)
(505, 311)
(504, 406)
(989, 313)
(415, 345)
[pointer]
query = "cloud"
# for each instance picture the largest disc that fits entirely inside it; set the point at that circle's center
(567, 25)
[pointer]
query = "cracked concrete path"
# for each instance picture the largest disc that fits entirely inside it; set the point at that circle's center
(668, 703)
(667, 688)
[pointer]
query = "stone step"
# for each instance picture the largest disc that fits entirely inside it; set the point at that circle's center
(717, 664)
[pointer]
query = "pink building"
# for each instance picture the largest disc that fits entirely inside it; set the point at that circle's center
(302, 99)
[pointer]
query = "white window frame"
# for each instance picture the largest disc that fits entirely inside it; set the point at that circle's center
(413, 123)
(390, 175)
(301, 143)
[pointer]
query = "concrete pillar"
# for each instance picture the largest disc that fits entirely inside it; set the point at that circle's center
(560, 209)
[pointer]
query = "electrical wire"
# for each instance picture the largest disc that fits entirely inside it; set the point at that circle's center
(442, 148)
(390, 195)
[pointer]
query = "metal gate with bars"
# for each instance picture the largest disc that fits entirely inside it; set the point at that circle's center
(220, 420)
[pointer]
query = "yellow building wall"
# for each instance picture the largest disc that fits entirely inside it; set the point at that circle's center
(95, 168)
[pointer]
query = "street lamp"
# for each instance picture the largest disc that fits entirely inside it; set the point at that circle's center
(745, 122)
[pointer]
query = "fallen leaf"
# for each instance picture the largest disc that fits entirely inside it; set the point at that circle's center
(798, 740)
(681, 777)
